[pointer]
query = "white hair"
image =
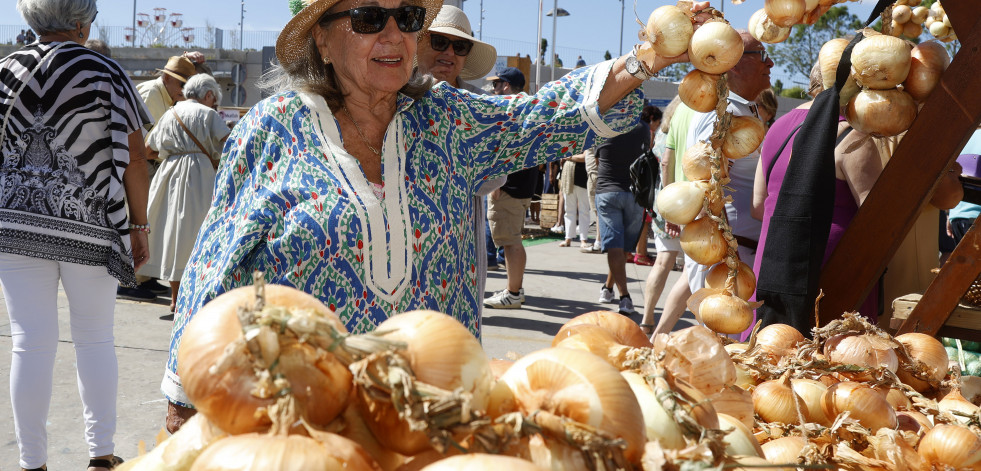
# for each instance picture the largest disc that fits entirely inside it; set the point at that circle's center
(52, 16)
(199, 85)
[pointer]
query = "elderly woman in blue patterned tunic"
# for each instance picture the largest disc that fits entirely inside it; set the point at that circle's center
(356, 182)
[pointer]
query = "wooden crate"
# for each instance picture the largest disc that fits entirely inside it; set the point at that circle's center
(550, 211)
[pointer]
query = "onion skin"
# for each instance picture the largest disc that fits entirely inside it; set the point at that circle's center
(928, 62)
(658, 424)
(740, 441)
(442, 353)
(783, 450)
(765, 30)
(680, 202)
(743, 138)
(698, 90)
(776, 401)
(811, 391)
(259, 452)
(697, 161)
(778, 340)
(951, 446)
(702, 240)
(881, 113)
(865, 405)
(319, 382)
(954, 401)
(715, 47)
(931, 353)
(881, 62)
(669, 29)
(745, 279)
(624, 330)
(593, 339)
(482, 462)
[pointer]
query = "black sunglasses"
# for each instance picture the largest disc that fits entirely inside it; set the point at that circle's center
(371, 20)
(461, 47)
(763, 55)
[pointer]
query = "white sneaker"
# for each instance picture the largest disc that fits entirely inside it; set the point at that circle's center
(627, 307)
(503, 300)
(606, 295)
(558, 229)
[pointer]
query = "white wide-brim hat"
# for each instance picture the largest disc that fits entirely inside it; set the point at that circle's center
(454, 22)
(293, 42)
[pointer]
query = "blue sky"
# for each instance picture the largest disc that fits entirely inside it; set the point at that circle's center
(592, 28)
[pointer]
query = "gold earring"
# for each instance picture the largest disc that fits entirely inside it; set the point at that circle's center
(326, 60)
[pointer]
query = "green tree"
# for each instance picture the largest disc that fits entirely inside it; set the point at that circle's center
(675, 72)
(542, 49)
(777, 87)
(796, 91)
(800, 51)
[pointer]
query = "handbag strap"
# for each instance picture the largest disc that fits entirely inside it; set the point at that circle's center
(191, 134)
(6, 117)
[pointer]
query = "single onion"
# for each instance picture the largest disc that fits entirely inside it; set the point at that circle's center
(703, 241)
(810, 392)
(255, 452)
(778, 340)
(929, 61)
(939, 29)
(785, 12)
(931, 355)
(740, 441)
(895, 398)
(230, 383)
(828, 59)
(715, 47)
(680, 202)
(901, 13)
(441, 353)
(881, 113)
(867, 351)
(880, 62)
(482, 462)
(697, 161)
(919, 15)
(573, 384)
(951, 447)
(669, 29)
(659, 424)
(356, 430)
(784, 450)
(716, 202)
(593, 339)
(765, 30)
(912, 30)
(725, 313)
(954, 403)
(776, 401)
(743, 138)
(624, 330)
(699, 91)
(863, 403)
(745, 279)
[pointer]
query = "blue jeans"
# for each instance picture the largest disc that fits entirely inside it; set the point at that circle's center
(620, 220)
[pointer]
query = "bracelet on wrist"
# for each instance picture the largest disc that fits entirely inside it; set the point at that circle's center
(140, 228)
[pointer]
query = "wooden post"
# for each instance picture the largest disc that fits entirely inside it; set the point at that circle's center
(944, 124)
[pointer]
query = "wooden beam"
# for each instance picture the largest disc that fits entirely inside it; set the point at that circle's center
(944, 124)
(943, 295)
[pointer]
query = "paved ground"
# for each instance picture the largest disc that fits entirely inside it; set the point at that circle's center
(560, 283)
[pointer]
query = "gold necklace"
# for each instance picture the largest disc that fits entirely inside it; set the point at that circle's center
(360, 133)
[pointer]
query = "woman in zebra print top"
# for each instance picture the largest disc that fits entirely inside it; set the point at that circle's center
(72, 160)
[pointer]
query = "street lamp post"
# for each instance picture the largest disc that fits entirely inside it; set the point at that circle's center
(133, 39)
(538, 50)
(555, 14)
(621, 26)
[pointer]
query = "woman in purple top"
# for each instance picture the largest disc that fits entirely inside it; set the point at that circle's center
(857, 166)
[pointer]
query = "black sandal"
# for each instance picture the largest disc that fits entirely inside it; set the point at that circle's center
(103, 463)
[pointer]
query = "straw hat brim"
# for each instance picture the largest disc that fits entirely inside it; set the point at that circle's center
(293, 41)
(482, 57)
(172, 74)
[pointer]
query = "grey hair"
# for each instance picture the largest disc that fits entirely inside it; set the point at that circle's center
(310, 74)
(99, 46)
(53, 16)
(198, 86)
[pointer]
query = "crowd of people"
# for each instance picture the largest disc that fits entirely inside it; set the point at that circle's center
(373, 152)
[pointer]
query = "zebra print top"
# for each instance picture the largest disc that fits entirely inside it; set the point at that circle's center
(64, 149)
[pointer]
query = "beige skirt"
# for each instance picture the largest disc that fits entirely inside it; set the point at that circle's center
(180, 196)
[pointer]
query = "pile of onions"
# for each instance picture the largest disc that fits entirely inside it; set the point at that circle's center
(703, 241)
(441, 353)
(669, 29)
(745, 279)
(929, 61)
(698, 90)
(233, 386)
(258, 452)
(765, 30)
(715, 47)
(697, 161)
(938, 23)
(880, 62)
(680, 202)
(574, 384)
(907, 20)
(743, 138)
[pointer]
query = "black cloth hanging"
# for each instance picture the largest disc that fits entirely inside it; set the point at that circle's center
(798, 232)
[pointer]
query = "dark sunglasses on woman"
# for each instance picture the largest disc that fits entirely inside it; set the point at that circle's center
(461, 47)
(371, 20)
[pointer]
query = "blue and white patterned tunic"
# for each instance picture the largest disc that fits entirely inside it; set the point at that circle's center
(291, 202)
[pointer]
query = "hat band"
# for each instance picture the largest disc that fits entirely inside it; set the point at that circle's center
(185, 77)
(451, 25)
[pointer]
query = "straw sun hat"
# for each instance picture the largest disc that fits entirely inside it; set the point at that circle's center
(292, 43)
(452, 21)
(180, 68)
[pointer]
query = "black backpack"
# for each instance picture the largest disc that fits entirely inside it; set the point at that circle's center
(645, 177)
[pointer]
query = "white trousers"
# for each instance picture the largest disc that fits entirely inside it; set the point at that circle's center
(578, 200)
(30, 286)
